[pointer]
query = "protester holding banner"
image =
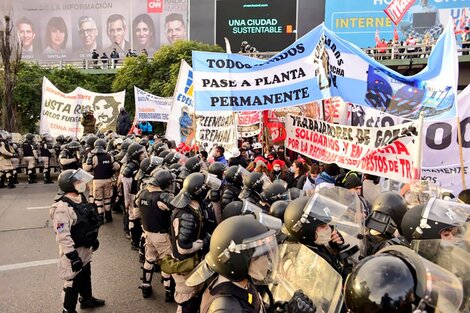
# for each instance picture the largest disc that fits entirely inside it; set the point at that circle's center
(88, 122)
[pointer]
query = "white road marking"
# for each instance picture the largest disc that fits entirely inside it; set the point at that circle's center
(27, 264)
(38, 207)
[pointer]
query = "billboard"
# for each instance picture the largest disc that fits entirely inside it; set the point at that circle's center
(268, 25)
(357, 21)
(59, 30)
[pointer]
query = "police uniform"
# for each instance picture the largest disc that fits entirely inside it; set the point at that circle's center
(76, 227)
(46, 151)
(156, 214)
(6, 165)
(130, 188)
(69, 159)
(103, 167)
(30, 154)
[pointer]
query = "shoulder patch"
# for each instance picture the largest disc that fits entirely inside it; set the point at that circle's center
(60, 227)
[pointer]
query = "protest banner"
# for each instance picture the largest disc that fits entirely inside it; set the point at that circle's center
(180, 126)
(216, 129)
(61, 112)
(321, 65)
(390, 152)
(397, 9)
(249, 124)
(440, 144)
(149, 107)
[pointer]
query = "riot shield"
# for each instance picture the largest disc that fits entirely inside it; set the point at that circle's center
(450, 256)
(301, 268)
(351, 222)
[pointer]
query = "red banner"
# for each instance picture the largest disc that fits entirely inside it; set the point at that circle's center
(397, 9)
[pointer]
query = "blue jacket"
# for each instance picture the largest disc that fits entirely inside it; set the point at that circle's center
(324, 178)
(146, 128)
(221, 159)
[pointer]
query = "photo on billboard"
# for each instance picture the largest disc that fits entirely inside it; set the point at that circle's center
(267, 25)
(115, 32)
(174, 22)
(27, 31)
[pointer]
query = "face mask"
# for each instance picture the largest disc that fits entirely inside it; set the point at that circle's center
(80, 187)
(291, 169)
(323, 236)
(259, 268)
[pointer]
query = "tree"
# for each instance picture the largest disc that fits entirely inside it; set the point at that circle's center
(10, 50)
(159, 74)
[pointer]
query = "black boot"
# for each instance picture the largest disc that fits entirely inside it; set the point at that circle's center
(47, 177)
(101, 218)
(146, 283)
(11, 183)
(15, 177)
(70, 300)
(108, 216)
(136, 233)
(91, 303)
(31, 179)
(2, 181)
(142, 250)
(169, 290)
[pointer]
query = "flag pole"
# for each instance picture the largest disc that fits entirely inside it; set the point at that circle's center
(462, 162)
(419, 156)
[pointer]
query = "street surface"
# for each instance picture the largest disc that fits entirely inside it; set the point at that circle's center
(28, 259)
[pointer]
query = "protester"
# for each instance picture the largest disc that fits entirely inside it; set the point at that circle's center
(145, 127)
(123, 122)
(298, 169)
(88, 122)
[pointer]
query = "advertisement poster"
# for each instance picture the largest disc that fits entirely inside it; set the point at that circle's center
(267, 25)
(358, 20)
(61, 113)
(64, 30)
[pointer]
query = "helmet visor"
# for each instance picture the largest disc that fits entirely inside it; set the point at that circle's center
(80, 179)
(242, 171)
(156, 161)
(269, 221)
(454, 214)
(264, 259)
(212, 182)
(250, 208)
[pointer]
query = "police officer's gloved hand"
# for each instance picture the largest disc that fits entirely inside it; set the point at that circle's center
(76, 261)
(301, 303)
(89, 160)
(95, 245)
(206, 241)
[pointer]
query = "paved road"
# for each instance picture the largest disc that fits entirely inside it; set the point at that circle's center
(28, 260)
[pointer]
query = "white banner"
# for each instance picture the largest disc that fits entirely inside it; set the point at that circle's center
(180, 127)
(61, 112)
(149, 107)
(216, 129)
(441, 158)
(390, 152)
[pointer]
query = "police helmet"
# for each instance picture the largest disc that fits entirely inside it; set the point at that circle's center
(125, 145)
(193, 164)
(29, 137)
(90, 141)
(273, 192)
(396, 279)
(175, 168)
(135, 151)
(234, 208)
(278, 208)
(234, 176)
(73, 180)
(161, 178)
(171, 158)
(254, 181)
(235, 245)
(163, 154)
(217, 168)
(73, 145)
(60, 139)
(159, 147)
(387, 212)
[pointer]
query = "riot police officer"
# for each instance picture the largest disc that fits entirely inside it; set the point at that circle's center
(187, 233)
(252, 187)
(135, 154)
(271, 193)
(30, 155)
(385, 218)
(69, 157)
(233, 184)
(242, 254)
(215, 196)
(47, 151)
(76, 226)
(6, 166)
(396, 279)
(103, 166)
(154, 206)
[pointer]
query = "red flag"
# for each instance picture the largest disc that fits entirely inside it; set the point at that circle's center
(276, 129)
(397, 9)
(377, 36)
(396, 38)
